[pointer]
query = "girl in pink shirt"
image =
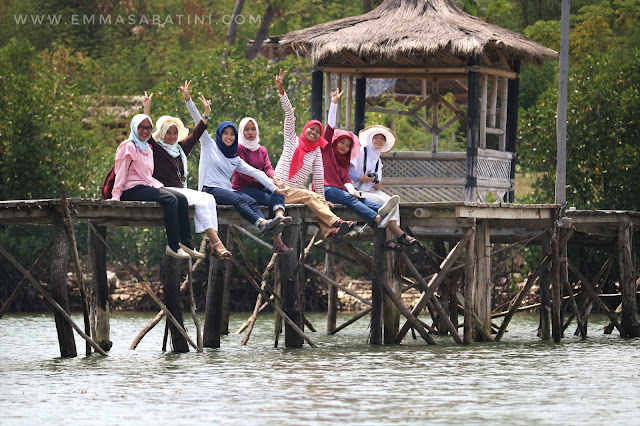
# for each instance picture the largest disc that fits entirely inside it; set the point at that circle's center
(135, 182)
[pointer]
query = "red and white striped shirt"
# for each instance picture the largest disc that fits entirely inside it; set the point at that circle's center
(312, 162)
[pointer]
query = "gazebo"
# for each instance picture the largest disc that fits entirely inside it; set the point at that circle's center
(438, 46)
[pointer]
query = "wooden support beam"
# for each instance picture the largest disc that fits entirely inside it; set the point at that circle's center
(170, 276)
(259, 305)
(24, 281)
(483, 283)
(556, 285)
(332, 296)
(145, 286)
(430, 288)
(350, 321)
(292, 305)
(627, 281)
(100, 310)
(473, 130)
(227, 231)
(408, 315)
(335, 284)
(213, 308)
(59, 309)
(483, 111)
(545, 291)
(58, 287)
(469, 286)
(316, 94)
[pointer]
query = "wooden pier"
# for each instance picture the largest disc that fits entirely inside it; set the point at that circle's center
(471, 230)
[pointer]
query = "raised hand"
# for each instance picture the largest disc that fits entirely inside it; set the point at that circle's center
(206, 104)
(185, 90)
(146, 102)
(335, 96)
(279, 79)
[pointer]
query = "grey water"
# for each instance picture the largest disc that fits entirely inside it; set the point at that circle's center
(519, 381)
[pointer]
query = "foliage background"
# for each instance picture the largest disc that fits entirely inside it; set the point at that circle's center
(67, 92)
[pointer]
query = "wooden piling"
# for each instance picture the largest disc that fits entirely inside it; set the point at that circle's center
(171, 276)
(332, 305)
(629, 320)
(469, 287)
(556, 283)
(545, 290)
(292, 305)
(391, 312)
(213, 309)
(100, 312)
(377, 287)
(483, 277)
(228, 281)
(58, 286)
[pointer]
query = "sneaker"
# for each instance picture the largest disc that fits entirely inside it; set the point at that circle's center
(389, 205)
(384, 220)
(179, 254)
(267, 230)
(192, 252)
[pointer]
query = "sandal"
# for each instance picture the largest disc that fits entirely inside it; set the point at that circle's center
(407, 240)
(388, 247)
(282, 248)
(222, 254)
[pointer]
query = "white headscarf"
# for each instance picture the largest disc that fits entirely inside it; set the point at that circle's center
(250, 145)
(142, 145)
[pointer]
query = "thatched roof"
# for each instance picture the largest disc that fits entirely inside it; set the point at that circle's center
(412, 29)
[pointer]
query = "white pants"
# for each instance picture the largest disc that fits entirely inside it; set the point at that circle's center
(206, 214)
(381, 197)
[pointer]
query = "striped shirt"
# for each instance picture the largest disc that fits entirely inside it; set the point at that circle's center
(312, 162)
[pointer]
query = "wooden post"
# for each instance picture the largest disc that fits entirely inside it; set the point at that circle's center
(361, 96)
(561, 126)
(327, 96)
(213, 310)
(391, 312)
(58, 286)
(483, 276)
(556, 283)
(504, 97)
(171, 276)
(511, 133)
(545, 291)
(228, 281)
(100, 309)
(469, 287)
(483, 111)
(434, 114)
(317, 79)
(332, 307)
(627, 281)
(349, 102)
(291, 284)
(377, 286)
(473, 80)
(445, 293)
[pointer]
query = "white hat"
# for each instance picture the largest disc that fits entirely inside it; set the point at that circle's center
(183, 132)
(366, 135)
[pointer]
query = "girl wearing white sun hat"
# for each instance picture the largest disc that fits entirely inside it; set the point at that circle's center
(366, 175)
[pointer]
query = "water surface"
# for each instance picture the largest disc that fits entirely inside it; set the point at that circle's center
(520, 380)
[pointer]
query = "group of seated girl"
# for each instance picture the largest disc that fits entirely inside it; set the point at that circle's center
(235, 170)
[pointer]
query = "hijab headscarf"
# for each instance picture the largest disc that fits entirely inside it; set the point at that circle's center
(305, 146)
(227, 151)
(174, 150)
(142, 145)
(343, 160)
(250, 145)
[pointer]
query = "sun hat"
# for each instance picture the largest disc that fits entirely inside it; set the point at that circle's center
(366, 136)
(183, 132)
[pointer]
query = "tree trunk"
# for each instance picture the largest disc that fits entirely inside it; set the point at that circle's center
(232, 31)
(263, 32)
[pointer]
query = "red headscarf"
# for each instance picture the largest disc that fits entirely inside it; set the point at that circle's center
(305, 146)
(344, 160)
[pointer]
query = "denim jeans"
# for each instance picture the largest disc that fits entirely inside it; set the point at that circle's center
(246, 205)
(364, 208)
(174, 204)
(264, 198)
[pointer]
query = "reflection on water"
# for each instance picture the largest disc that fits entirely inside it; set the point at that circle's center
(521, 380)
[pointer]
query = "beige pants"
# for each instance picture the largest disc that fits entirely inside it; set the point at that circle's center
(319, 207)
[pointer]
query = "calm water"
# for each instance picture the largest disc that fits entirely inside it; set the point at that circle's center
(518, 381)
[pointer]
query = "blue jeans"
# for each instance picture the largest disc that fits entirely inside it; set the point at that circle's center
(364, 208)
(264, 198)
(246, 206)
(174, 204)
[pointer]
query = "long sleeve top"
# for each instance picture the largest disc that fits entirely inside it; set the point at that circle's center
(133, 168)
(215, 170)
(258, 159)
(312, 161)
(334, 174)
(168, 169)
(357, 169)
